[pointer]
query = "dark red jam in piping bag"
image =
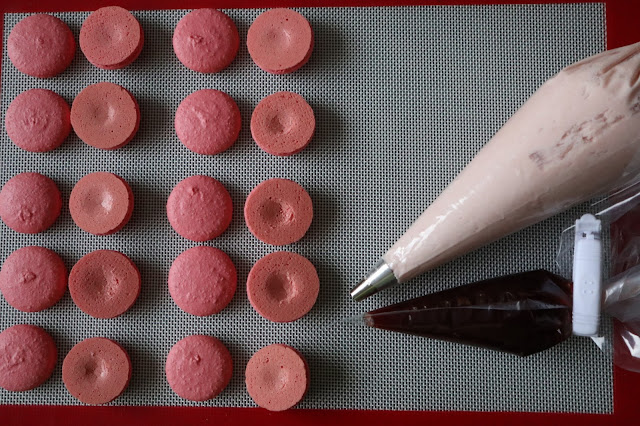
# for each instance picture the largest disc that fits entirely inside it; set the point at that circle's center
(521, 314)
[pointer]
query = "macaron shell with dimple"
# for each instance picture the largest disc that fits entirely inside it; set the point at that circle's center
(38, 120)
(277, 377)
(278, 211)
(202, 280)
(208, 121)
(41, 46)
(283, 124)
(104, 283)
(96, 370)
(28, 356)
(295, 67)
(111, 38)
(280, 41)
(33, 279)
(105, 115)
(30, 203)
(199, 208)
(206, 40)
(129, 60)
(199, 367)
(283, 286)
(101, 203)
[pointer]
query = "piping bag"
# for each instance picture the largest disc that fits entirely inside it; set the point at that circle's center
(532, 311)
(521, 313)
(577, 137)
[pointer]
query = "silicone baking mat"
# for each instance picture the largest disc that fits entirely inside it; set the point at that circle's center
(403, 97)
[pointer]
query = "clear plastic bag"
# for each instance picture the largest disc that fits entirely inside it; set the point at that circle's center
(622, 295)
(622, 292)
(619, 211)
(626, 352)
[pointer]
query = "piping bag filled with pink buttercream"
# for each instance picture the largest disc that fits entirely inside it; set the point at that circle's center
(577, 137)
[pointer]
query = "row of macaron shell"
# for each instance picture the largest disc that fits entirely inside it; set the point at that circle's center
(279, 41)
(107, 116)
(199, 208)
(276, 376)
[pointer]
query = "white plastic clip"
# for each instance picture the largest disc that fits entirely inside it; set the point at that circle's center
(587, 276)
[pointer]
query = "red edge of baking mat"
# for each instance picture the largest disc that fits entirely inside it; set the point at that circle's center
(622, 28)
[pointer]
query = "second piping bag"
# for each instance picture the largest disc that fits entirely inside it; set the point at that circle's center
(577, 137)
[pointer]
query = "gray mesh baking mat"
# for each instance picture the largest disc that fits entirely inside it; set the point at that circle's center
(403, 97)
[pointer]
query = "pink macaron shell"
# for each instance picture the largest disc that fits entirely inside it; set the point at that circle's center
(278, 211)
(283, 124)
(127, 61)
(283, 286)
(202, 280)
(208, 121)
(96, 370)
(104, 283)
(277, 377)
(199, 208)
(38, 120)
(306, 366)
(111, 38)
(41, 46)
(28, 356)
(280, 41)
(199, 367)
(30, 203)
(206, 40)
(295, 67)
(105, 116)
(33, 279)
(101, 203)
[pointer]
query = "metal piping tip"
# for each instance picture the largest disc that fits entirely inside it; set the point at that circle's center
(379, 278)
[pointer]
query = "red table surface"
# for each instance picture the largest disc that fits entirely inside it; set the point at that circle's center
(623, 27)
